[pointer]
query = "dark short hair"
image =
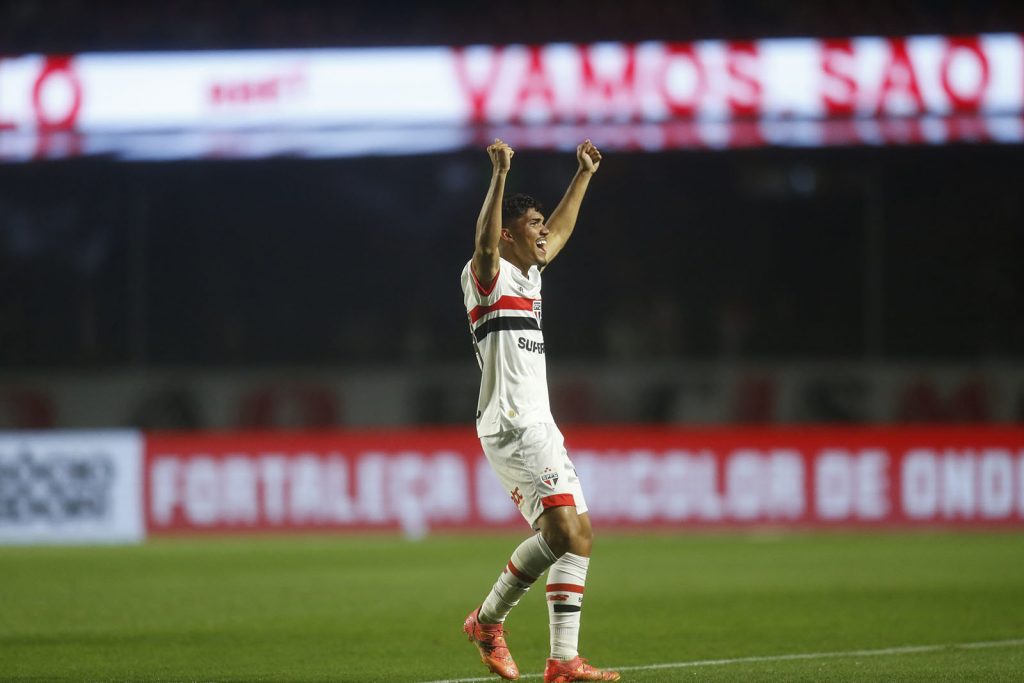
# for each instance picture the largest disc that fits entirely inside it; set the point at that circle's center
(517, 205)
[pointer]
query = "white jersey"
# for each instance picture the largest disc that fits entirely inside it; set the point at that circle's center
(505, 320)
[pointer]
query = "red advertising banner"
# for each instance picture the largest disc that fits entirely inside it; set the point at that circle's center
(417, 481)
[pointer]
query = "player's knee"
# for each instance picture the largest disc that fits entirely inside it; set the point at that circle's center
(582, 539)
(557, 537)
(567, 532)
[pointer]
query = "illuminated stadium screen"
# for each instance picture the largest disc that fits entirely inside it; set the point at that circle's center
(649, 96)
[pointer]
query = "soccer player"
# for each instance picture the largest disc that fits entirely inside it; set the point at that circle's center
(501, 285)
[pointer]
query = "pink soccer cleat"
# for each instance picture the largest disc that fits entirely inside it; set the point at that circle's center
(490, 640)
(575, 669)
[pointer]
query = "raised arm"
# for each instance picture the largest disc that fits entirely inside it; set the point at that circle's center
(563, 219)
(488, 224)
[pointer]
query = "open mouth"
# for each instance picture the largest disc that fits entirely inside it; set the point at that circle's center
(542, 244)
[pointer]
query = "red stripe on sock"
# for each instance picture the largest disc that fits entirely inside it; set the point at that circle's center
(567, 587)
(516, 572)
(558, 500)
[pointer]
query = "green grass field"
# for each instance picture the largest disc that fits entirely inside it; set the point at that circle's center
(328, 608)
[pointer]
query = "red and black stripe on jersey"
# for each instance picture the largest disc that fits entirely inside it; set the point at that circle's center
(503, 322)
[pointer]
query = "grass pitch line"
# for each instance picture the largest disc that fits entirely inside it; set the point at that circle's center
(905, 650)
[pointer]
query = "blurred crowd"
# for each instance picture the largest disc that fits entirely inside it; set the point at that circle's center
(887, 254)
(89, 25)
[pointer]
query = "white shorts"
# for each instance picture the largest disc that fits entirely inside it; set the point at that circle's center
(535, 469)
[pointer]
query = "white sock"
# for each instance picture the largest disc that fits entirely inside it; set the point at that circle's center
(566, 580)
(529, 560)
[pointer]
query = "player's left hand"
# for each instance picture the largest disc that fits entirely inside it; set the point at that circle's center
(588, 156)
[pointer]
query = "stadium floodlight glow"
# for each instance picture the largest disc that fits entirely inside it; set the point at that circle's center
(649, 95)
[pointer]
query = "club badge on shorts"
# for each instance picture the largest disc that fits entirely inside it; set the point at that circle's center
(550, 477)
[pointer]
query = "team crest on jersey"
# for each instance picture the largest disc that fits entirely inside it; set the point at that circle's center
(537, 313)
(549, 477)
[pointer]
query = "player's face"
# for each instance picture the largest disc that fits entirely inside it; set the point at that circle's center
(530, 238)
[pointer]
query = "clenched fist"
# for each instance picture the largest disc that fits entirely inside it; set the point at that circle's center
(501, 155)
(588, 156)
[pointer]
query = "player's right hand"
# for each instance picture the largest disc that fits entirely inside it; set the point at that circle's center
(501, 155)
